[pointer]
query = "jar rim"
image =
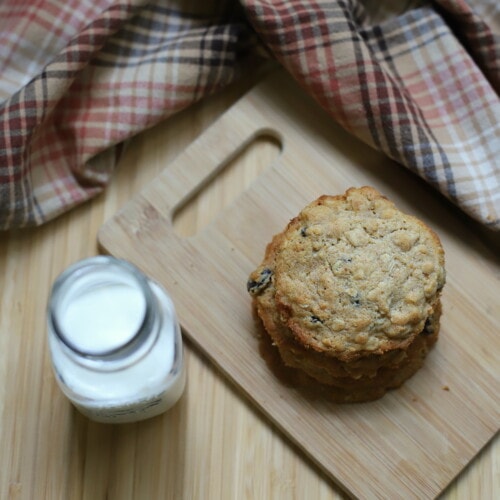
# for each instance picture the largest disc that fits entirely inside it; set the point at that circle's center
(70, 276)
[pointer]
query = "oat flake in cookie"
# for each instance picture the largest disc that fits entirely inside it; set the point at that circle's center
(348, 290)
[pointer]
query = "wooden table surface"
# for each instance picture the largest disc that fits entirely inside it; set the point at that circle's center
(213, 444)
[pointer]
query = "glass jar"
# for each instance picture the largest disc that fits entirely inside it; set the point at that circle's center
(115, 341)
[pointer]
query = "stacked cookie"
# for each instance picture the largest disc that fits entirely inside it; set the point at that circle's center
(349, 293)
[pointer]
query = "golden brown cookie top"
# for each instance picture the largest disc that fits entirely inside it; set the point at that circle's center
(353, 273)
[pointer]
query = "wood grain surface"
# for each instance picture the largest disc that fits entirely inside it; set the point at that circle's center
(214, 443)
(414, 441)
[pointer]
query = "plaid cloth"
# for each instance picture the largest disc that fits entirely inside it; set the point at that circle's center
(416, 80)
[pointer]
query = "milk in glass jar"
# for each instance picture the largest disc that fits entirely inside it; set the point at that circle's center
(115, 341)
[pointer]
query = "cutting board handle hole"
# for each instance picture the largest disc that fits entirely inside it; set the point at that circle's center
(226, 182)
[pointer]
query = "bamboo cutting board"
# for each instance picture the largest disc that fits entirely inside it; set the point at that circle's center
(415, 440)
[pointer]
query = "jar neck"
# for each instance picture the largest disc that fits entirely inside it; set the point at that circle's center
(103, 311)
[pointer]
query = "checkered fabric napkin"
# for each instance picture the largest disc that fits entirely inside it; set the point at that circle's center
(418, 81)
